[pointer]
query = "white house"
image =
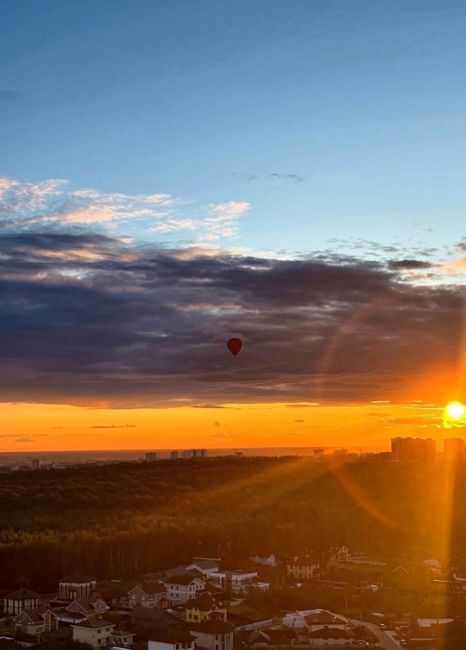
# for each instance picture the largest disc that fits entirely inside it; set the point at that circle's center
(302, 567)
(97, 632)
(315, 619)
(146, 595)
(238, 582)
(75, 586)
(213, 635)
(265, 560)
(183, 587)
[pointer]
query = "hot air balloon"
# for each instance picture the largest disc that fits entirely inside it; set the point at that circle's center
(234, 345)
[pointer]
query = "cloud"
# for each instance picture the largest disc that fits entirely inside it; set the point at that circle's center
(113, 426)
(223, 434)
(245, 176)
(222, 219)
(52, 203)
(92, 319)
(410, 264)
(287, 177)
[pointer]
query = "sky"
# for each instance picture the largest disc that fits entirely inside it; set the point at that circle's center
(176, 173)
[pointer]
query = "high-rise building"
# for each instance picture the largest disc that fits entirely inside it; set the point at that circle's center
(414, 449)
(454, 448)
(174, 454)
(150, 456)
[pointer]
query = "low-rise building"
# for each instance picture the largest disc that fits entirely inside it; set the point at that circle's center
(122, 639)
(36, 621)
(171, 639)
(147, 595)
(93, 606)
(14, 602)
(302, 567)
(235, 582)
(77, 585)
(180, 588)
(205, 607)
(97, 632)
(213, 635)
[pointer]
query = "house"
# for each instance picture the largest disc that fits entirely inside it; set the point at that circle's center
(172, 639)
(36, 621)
(213, 635)
(15, 601)
(77, 585)
(326, 636)
(180, 588)
(122, 638)
(302, 567)
(147, 595)
(237, 582)
(278, 636)
(313, 619)
(93, 606)
(265, 559)
(205, 607)
(97, 632)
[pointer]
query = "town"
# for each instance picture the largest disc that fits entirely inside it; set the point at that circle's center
(334, 599)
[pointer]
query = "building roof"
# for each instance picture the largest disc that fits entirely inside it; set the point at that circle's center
(178, 634)
(150, 588)
(204, 601)
(77, 579)
(155, 615)
(212, 627)
(324, 617)
(35, 614)
(95, 623)
(205, 565)
(330, 633)
(181, 579)
(22, 594)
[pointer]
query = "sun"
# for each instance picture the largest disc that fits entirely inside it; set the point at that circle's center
(455, 410)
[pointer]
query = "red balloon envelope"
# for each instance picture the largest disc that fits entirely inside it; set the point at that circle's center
(234, 345)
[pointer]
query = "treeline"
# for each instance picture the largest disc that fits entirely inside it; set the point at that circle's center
(128, 518)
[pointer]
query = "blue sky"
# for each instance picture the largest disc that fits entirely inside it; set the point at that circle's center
(176, 173)
(326, 122)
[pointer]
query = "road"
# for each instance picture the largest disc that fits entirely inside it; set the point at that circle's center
(385, 640)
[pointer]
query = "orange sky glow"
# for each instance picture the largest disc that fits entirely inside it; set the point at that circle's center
(47, 427)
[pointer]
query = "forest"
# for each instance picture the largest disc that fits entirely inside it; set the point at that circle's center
(124, 519)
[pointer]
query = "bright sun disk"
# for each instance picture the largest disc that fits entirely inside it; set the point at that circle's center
(455, 410)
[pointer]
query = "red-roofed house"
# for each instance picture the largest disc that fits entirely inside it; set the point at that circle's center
(36, 621)
(93, 606)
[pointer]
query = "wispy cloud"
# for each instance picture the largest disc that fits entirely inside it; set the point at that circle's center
(52, 203)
